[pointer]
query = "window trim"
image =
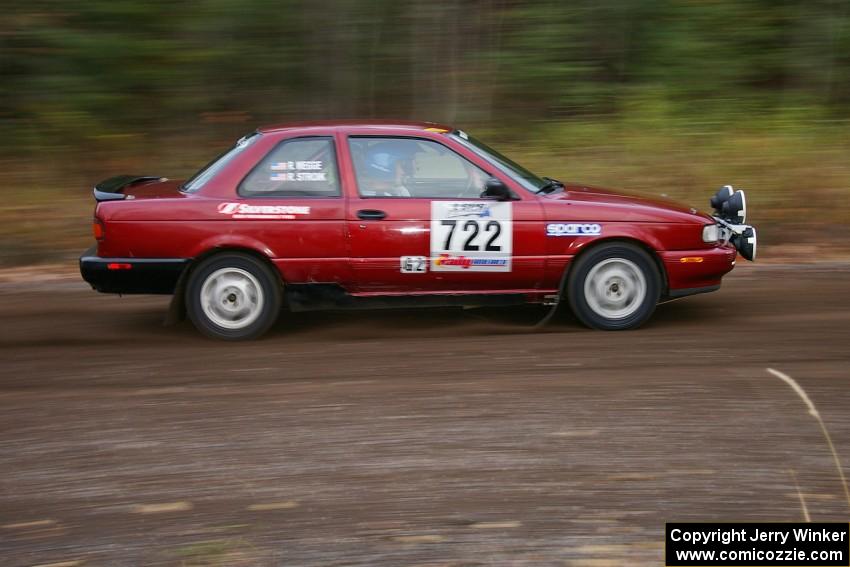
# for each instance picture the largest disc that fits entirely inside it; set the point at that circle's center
(348, 138)
(329, 138)
(523, 183)
(249, 139)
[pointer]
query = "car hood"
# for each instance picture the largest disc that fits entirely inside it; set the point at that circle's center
(610, 204)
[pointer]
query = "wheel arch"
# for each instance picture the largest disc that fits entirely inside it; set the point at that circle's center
(659, 264)
(177, 307)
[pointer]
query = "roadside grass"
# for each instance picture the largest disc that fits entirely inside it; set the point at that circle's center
(796, 172)
(44, 228)
(797, 178)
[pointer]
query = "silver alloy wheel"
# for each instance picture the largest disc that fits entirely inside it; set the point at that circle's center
(615, 288)
(232, 298)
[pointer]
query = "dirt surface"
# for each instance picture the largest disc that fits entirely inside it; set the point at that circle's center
(414, 437)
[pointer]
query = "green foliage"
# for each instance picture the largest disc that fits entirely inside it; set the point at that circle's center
(94, 88)
(125, 66)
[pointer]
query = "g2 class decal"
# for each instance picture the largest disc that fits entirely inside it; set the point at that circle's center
(573, 229)
(414, 264)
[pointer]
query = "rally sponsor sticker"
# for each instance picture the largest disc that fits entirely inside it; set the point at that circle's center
(573, 229)
(474, 236)
(465, 262)
(246, 211)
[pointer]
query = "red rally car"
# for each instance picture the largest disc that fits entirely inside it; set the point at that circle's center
(377, 214)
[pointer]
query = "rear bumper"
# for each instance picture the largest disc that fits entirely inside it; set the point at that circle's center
(697, 271)
(131, 275)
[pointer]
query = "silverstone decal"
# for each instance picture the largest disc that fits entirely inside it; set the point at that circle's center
(475, 236)
(573, 229)
(414, 264)
(298, 171)
(246, 211)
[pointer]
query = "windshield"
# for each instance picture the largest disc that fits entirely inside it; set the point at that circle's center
(517, 172)
(208, 171)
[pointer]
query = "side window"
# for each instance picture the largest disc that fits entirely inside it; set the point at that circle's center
(302, 167)
(411, 167)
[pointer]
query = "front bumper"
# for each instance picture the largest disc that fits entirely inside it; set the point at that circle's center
(697, 271)
(131, 275)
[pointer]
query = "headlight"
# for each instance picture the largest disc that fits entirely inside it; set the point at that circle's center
(710, 233)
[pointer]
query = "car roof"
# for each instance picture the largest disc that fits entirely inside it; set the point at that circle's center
(371, 123)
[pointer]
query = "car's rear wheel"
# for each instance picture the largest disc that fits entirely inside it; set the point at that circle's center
(614, 287)
(233, 296)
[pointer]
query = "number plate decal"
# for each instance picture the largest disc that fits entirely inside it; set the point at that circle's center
(471, 236)
(414, 264)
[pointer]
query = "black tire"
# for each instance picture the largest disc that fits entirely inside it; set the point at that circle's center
(614, 287)
(254, 304)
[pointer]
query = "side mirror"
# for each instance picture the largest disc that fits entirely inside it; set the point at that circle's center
(495, 189)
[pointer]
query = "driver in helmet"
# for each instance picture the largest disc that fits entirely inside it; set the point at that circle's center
(387, 165)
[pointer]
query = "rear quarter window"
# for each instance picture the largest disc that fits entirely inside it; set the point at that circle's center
(300, 167)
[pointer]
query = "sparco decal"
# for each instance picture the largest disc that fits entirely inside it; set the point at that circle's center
(246, 211)
(573, 229)
(467, 262)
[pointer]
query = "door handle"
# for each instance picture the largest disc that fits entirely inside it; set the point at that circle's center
(371, 214)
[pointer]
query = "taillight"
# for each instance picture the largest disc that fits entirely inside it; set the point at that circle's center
(97, 229)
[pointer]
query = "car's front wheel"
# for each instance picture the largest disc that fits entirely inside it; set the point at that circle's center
(233, 296)
(614, 286)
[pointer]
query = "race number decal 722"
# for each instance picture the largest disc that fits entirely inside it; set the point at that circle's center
(471, 236)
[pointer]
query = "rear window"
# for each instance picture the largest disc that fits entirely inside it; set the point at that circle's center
(301, 167)
(212, 168)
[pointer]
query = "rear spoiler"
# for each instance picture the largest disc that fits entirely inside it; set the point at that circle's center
(110, 189)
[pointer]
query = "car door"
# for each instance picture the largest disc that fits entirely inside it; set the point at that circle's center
(417, 223)
(291, 201)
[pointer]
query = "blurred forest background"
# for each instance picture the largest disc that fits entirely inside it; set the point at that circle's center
(658, 96)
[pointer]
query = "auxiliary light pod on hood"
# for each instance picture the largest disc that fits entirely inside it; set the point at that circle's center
(730, 207)
(746, 243)
(730, 204)
(722, 194)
